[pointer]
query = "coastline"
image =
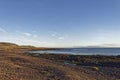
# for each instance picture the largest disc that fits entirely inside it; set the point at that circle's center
(16, 63)
(107, 65)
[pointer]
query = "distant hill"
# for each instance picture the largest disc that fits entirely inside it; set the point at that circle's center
(7, 45)
(13, 46)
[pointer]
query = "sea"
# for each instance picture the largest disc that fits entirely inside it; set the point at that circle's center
(82, 51)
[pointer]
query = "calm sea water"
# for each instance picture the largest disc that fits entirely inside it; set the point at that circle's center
(82, 51)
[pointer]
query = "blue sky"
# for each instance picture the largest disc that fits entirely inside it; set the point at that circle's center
(60, 23)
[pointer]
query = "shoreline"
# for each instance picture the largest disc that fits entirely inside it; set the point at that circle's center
(98, 63)
(16, 63)
(68, 53)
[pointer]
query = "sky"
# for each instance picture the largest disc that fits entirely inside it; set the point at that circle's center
(60, 23)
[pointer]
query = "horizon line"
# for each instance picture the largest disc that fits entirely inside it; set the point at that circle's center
(87, 46)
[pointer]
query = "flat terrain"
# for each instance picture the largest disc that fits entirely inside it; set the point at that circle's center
(16, 65)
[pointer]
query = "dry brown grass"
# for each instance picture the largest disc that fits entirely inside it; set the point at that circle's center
(18, 66)
(14, 65)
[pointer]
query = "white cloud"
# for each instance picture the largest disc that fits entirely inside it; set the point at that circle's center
(2, 30)
(60, 38)
(27, 34)
(35, 36)
(54, 34)
(30, 35)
